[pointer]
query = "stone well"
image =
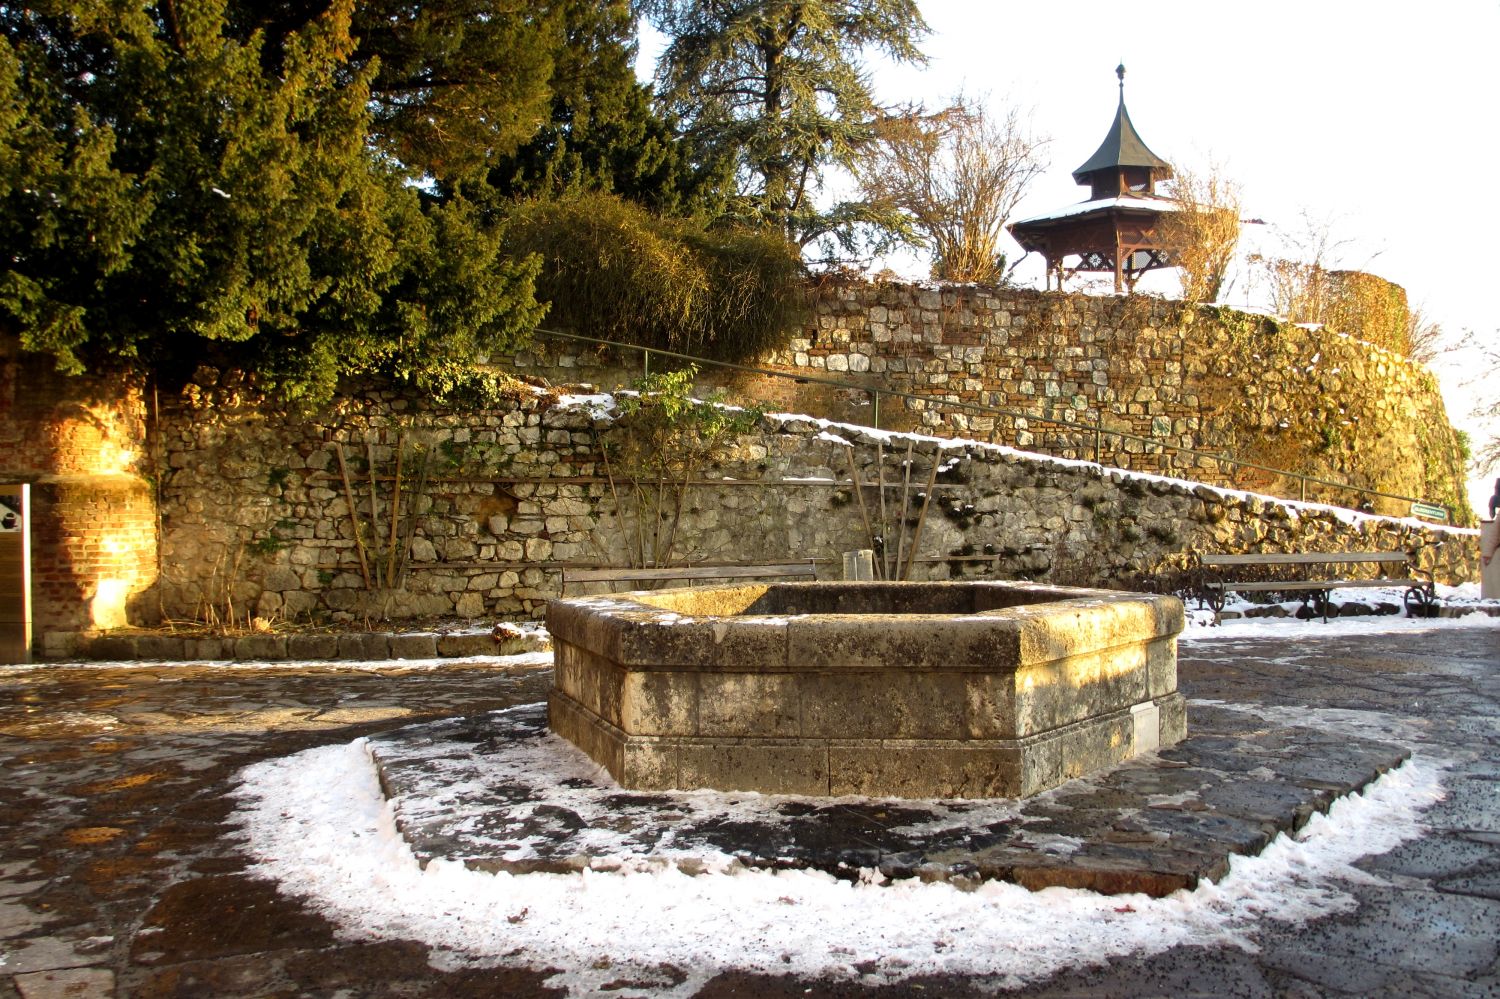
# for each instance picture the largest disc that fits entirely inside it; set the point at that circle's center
(922, 690)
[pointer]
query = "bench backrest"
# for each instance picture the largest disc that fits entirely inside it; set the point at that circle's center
(1303, 558)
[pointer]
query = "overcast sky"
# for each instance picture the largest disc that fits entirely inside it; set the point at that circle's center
(1374, 117)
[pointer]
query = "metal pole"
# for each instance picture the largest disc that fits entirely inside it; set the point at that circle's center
(875, 406)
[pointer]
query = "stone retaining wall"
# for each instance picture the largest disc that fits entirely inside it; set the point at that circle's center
(255, 519)
(1312, 402)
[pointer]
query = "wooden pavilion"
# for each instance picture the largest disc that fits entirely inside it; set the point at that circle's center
(1118, 228)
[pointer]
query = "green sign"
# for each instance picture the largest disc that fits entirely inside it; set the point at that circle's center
(1430, 511)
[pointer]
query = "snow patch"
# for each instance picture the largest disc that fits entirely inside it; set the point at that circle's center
(316, 822)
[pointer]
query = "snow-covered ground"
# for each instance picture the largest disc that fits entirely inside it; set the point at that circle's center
(318, 824)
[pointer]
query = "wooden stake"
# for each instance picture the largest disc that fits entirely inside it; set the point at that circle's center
(922, 517)
(411, 515)
(374, 514)
(905, 505)
(359, 542)
(390, 572)
(885, 548)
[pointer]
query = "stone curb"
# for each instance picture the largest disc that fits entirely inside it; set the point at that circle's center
(59, 646)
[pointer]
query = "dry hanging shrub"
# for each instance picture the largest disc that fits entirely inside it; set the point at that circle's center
(611, 269)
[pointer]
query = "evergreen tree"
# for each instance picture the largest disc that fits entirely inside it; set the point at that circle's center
(174, 188)
(604, 134)
(454, 83)
(778, 84)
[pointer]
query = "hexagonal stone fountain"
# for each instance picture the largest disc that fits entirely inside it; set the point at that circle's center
(920, 690)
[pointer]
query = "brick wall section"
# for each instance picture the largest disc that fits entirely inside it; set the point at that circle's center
(81, 443)
(93, 552)
(1307, 401)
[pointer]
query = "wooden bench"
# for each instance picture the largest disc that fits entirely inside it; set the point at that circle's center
(779, 570)
(1215, 580)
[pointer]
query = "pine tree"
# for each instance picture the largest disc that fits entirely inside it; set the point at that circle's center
(778, 85)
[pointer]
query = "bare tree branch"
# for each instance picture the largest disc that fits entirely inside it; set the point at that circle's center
(957, 174)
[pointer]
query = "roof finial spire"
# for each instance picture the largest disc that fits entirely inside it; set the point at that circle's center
(1120, 72)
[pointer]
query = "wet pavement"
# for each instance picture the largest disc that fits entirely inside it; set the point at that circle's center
(122, 874)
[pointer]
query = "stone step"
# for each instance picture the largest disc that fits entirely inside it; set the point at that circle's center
(61, 646)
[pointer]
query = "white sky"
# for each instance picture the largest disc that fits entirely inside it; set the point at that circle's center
(1370, 115)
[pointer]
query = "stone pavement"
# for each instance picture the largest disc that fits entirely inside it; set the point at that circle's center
(121, 875)
(478, 790)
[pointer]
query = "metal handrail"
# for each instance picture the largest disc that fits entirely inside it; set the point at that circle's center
(1096, 428)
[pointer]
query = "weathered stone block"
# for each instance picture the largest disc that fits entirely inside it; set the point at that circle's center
(747, 705)
(159, 647)
(413, 646)
(260, 647)
(466, 645)
(884, 705)
(312, 646)
(925, 769)
(849, 687)
(359, 645)
(1173, 717)
(767, 766)
(849, 642)
(659, 703)
(649, 765)
(203, 648)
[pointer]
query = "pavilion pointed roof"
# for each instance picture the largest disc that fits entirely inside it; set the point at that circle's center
(1122, 146)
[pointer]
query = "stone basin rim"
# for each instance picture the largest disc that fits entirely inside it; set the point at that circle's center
(1036, 623)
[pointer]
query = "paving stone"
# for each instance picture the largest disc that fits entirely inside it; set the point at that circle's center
(223, 915)
(1437, 856)
(42, 954)
(72, 983)
(1428, 931)
(1395, 933)
(1126, 845)
(1483, 885)
(17, 918)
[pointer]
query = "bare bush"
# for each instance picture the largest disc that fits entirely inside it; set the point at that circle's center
(1424, 337)
(1204, 231)
(1299, 284)
(958, 175)
(1487, 408)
